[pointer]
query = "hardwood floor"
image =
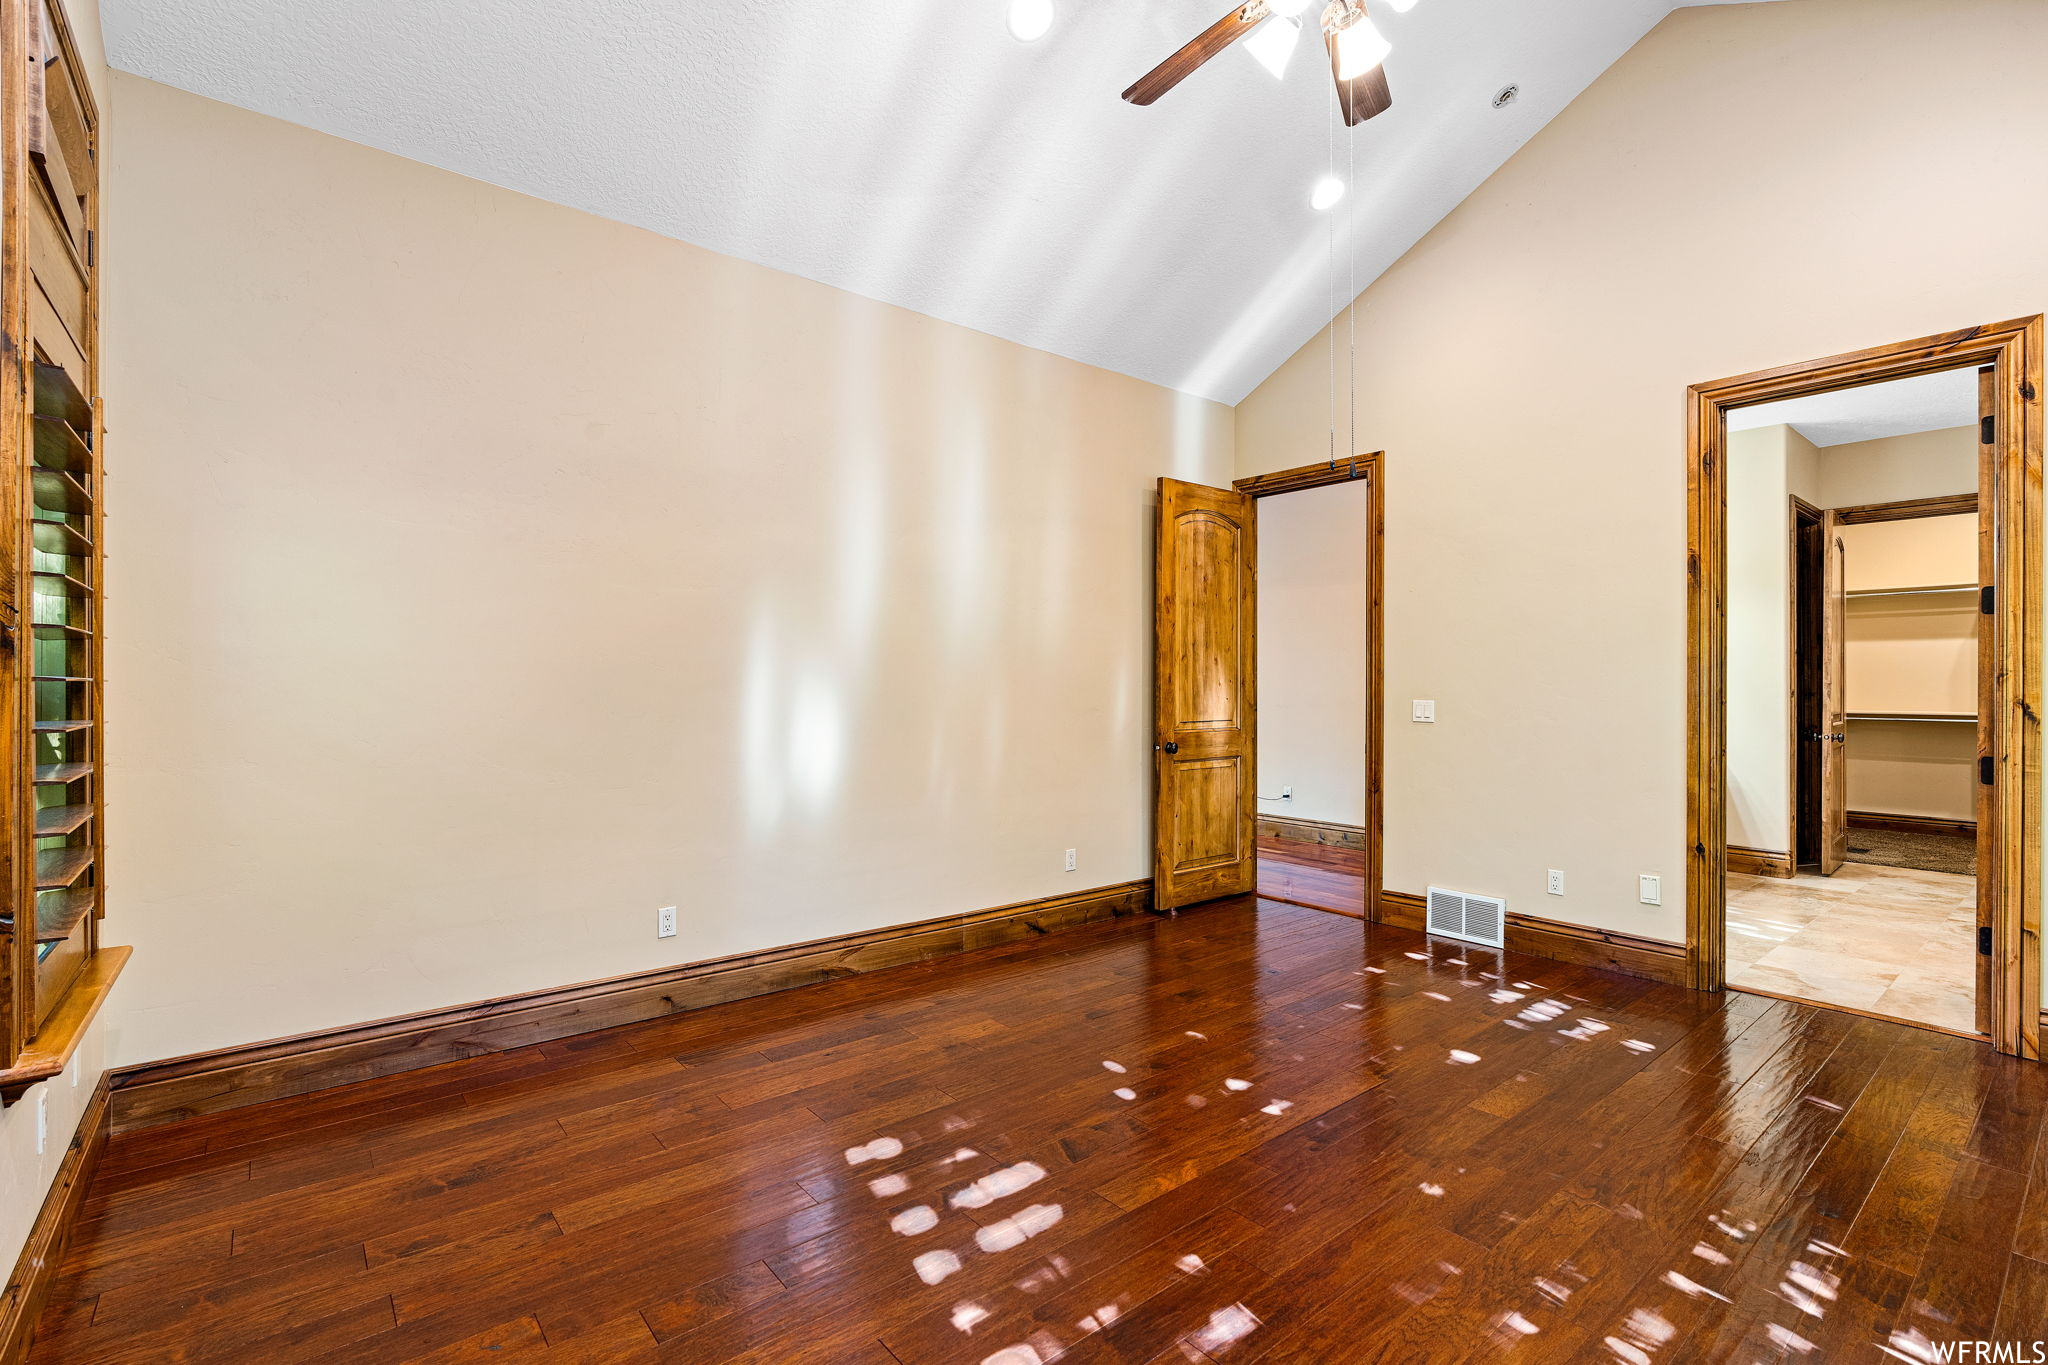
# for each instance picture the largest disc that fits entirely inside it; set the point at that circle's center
(1250, 1132)
(1317, 875)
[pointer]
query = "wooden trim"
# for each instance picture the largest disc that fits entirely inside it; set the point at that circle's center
(1652, 959)
(1372, 468)
(58, 1039)
(1320, 475)
(1328, 833)
(1909, 509)
(41, 1256)
(210, 1082)
(1758, 862)
(1910, 824)
(2010, 488)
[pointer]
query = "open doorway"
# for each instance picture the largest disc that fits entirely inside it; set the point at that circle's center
(1268, 684)
(1866, 596)
(1853, 678)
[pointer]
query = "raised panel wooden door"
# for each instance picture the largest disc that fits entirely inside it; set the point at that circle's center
(1206, 721)
(1834, 670)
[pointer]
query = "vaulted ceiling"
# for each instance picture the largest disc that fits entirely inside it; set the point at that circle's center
(913, 151)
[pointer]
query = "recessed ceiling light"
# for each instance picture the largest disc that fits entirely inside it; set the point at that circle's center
(1030, 20)
(1506, 96)
(1325, 195)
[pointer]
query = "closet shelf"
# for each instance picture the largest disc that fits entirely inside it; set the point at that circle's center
(57, 491)
(57, 396)
(1952, 718)
(63, 677)
(52, 821)
(1913, 592)
(60, 538)
(58, 912)
(59, 447)
(54, 628)
(57, 868)
(59, 582)
(58, 774)
(61, 727)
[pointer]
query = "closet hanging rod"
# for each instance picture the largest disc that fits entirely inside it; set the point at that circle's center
(1914, 716)
(1911, 592)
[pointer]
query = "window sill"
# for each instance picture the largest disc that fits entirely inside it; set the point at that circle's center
(58, 1041)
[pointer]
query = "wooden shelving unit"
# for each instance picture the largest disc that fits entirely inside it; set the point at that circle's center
(52, 806)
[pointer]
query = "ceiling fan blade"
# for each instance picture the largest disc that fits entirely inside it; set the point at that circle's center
(1182, 64)
(1362, 96)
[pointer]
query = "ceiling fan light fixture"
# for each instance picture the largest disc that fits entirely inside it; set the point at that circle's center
(1360, 46)
(1401, 6)
(1329, 191)
(1289, 9)
(1274, 43)
(1030, 20)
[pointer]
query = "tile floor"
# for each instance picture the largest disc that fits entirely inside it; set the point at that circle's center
(1893, 940)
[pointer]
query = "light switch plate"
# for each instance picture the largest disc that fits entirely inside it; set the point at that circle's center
(1425, 712)
(1650, 889)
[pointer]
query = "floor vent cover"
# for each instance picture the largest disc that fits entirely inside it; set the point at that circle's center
(1476, 919)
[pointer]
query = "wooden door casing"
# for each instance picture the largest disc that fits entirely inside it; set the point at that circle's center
(1834, 657)
(1205, 688)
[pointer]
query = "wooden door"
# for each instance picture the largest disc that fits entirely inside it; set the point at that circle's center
(1205, 687)
(1834, 764)
(1987, 694)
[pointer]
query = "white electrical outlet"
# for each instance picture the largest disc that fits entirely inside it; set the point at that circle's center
(1650, 889)
(665, 922)
(42, 1119)
(1556, 883)
(1425, 713)
(1287, 793)
(1073, 860)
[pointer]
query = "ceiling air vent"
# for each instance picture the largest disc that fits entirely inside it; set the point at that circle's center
(1476, 919)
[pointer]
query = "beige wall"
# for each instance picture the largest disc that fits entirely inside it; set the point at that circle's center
(1312, 652)
(1926, 464)
(1767, 468)
(489, 575)
(1525, 367)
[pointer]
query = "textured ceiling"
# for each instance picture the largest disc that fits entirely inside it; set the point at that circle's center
(913, 152)
(1928, 402)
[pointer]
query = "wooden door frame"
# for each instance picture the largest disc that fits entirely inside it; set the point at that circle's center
(1800, 515)
(1370, 467)
(2010, 497)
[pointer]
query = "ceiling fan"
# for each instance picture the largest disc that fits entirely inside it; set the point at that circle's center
(1357, 52)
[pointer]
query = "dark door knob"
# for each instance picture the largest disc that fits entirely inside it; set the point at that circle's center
(1170, 747)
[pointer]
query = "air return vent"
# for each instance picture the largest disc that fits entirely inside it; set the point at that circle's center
(1476, 919)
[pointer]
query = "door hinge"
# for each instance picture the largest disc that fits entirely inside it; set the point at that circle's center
(1984, 598)
(91, 249)
(1987, 429)
(1984, 940)
(1984, 770)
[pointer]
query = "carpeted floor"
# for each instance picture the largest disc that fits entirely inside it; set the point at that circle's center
(1956, 853)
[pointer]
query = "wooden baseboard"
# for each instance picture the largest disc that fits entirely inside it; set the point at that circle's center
(43, 1253)
(1910, 824)
(211, 1082)
(1759, 862)
(1324, 832)
(1650, 958)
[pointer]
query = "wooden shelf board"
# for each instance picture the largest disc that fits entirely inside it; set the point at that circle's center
(64, 581)
(1926, 591)
(59, 447)
(63, 677)
(66, 726)
(59, 774)
(57, 396)
(58, 912)
(52, 821)
(57, 868)
(58, 628)
(1913, 715)
(58, 1039)
(60, 538)
(59, 492)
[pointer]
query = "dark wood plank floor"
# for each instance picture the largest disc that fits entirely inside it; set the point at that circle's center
(1251, 1132)
(1316, 875)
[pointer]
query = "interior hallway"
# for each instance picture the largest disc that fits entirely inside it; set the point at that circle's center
(1248, 1132)
(1893, 940)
